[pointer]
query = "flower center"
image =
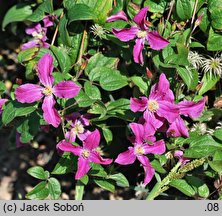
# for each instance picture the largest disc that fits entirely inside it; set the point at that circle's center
(47, 91)
(139, 150)
(85, 153)
(141, 34)
(78, 128)
(152, 106)
(38, 35)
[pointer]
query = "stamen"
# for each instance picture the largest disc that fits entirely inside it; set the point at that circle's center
(153, 106)
(78, 128)
(141, 34)
(139, 150)
(47, 91)
(85, 153)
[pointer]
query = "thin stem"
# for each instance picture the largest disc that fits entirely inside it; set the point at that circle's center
(81, 48)
(194, 11)
(170, 12)
(57, 29)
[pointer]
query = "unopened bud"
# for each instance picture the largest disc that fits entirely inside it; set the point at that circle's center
(199, 19)
(149, 74)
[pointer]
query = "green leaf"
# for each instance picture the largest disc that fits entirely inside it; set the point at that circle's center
(81, 12)
(208, 82)
(63, 59)
(39, 192)
(112, 80)
(79, 190)
(156, 6)
(108, 135)
(157, 166)
(189, 76)
(205, 22)
(54, 188)
(218, 134)
(98, 108)
(120, 104)
(16, 13)
(37, 172)
(92, 91)
(183, 9)
(202, 146)
(27, 54)
(120, 179)
(215, 9)
(97, 170)
(141, 83)
(183, 186)
(2, 87)
(84, 179)
(214, 42)
(83, 99)
(216, 165)
(105, 184)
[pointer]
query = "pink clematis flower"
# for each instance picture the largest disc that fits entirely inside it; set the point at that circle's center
(2, 102)
(140, 31)
(29, 93)
(187, 108)
(140, 148)
(179, 154)
(158, 106)
(78, 123)
(87, 154)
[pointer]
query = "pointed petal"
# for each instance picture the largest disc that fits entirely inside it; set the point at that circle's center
(119, 16)
(178, 128)
(33, 29)
(138, 51)
(45, 68)
(143, 160)
(152, 121)
(2, 102)
(140, 18)
(156, 147)
(92, 141)
(28, 93)
(126, 34)
(68, 147)
(96, 158)
(127, 157)
(66, 89)
(192, 109)
(30, 44)
(149, 173)
(83, 168)
(50, 114)
(48, 21)
(138, 105)
(84, 135)
(155, 41)
(70, 136)
(138, 131)
(161, 90)
(168, 110)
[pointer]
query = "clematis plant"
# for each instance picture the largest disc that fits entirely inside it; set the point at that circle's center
(140, 31)
(29, 93)
(142, 145)
(87, 153)
(159, 106)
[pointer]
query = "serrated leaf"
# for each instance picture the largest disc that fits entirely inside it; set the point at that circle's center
(54, 188)
(16, 13)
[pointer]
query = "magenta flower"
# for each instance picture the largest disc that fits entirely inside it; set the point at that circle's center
(78, 123)
(158, 106)
(29, 93)
(187, 108)
(2, 102)
(87, 154)
(183, 160)
(140, 31)
(48, 21)
(142, 145)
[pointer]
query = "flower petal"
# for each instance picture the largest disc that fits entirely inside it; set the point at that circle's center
(66, 89)
(50, 114)
(161, 90)
(192, 109)
(48, 21)
(156, 147)
(138, 105)
(125, 34)
(152, 121)
(138, 51)
(28, 93)
(68, 147)
(36, 28)
(155, 41)
(45, 68)
(149, 173)
(140, 18)
(127, 157)
(138, 130)
(70, 136)
(83, 168)
(92, 141)
(30, 44)
(2, 102)
(96, 158)
(83, 135)
(178, 128)
(168, 110)
(119, 16)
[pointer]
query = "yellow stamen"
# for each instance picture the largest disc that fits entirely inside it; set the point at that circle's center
(153, 106)
(139, 150)
(78, 128)
(47, 91)
(85, 153)
(141, 34)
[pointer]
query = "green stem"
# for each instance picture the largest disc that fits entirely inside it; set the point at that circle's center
(79, 190)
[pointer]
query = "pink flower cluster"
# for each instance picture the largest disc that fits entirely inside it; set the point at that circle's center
(140, 31)
(38, 33)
